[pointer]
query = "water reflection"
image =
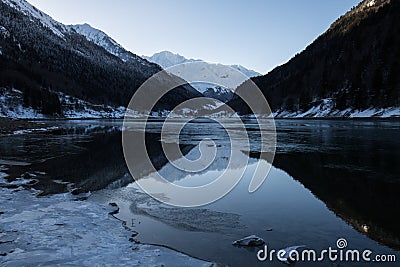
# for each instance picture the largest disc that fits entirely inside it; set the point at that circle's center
(351, 166)
(86, 154)
(332, 159)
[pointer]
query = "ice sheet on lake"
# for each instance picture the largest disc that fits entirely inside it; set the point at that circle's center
(188, 219)
(55, 230)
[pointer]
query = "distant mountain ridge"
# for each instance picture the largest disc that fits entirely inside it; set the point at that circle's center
(352, 70)
(168, 59)
(208, 72)
(45, 59)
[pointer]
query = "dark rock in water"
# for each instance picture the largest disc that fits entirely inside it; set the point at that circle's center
(134, 241)
(1, 212)
(115, 206)
(80, 194)
(3, 254)
(9, 186)
(250, 241)
(32, 182)
(26, 175)
(78, 191)
(135, 234)
(269, 229)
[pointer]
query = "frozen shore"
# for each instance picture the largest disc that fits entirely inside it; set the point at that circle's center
(57, 230)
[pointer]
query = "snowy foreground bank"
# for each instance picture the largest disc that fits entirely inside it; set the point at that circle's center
(57, 230)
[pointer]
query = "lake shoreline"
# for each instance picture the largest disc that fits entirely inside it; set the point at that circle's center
(54, 223)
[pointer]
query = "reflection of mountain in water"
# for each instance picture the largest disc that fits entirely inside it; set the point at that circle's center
(367, 199)
(189, 141)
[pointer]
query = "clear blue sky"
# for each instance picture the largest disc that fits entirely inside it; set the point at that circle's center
(258, 34)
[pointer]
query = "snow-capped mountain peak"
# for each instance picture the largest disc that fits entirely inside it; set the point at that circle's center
(93, 34)
(210, 72)
(168, 59)
(99, 37)
(109, 44)
(31, 11)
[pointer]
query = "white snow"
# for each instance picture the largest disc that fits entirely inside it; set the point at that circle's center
(110, 45)
(326, 109)
(93, 34)
(210, 73)
(31, 11)
(99, 38)
(245, 71)
(363, 113)
(371, 3)
(55, 230)
(4, 33)
(27, 131)
(168, 59)
(11, 106)
(391, 112)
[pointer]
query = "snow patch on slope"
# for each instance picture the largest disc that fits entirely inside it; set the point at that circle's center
(109, 44)
(371, 3)
(4, 33)
(100, 38)
(75, 108)
(31, 11)
(326, 109)
(245, 71)
(11, 106)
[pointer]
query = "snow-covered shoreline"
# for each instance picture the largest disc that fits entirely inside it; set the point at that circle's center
(57, 230)
(325, 109)
(11, 107)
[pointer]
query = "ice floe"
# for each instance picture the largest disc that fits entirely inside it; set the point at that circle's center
(54, 230)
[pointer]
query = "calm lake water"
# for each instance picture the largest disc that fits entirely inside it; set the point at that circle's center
(329, 180)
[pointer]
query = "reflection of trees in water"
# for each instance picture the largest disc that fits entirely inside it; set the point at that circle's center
(367, 199)
(92, 164)
(92, 159)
